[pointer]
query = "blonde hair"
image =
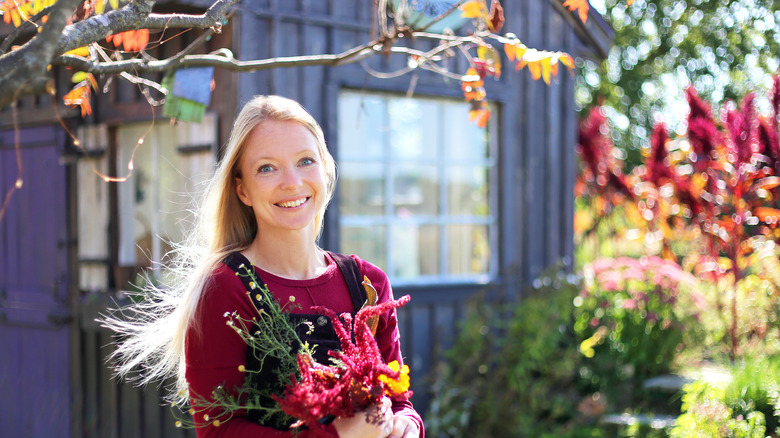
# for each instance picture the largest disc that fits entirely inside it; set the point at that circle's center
(155, 328)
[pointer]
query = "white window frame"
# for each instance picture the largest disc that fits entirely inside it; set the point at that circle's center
(390, 219)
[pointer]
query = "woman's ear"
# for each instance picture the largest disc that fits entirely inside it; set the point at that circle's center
(241, 193)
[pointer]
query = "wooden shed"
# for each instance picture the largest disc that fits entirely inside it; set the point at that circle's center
(447, 209)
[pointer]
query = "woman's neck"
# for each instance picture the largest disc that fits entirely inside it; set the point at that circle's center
(293, 255)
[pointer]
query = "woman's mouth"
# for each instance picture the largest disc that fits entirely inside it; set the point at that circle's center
(293, 204)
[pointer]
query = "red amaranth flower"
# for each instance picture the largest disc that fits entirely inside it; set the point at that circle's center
(740, 125)
(657, 164)
(359, 379)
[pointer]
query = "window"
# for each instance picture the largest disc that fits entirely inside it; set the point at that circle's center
(416, 186)
(168, 171)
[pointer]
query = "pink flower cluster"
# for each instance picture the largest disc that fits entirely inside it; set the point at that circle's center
(634, 282)
(358, 381)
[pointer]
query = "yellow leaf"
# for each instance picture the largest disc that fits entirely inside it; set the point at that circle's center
(567, 60)
(81, 51)
(114, 4)
(546, 69)
(581, 6)
(16, 18)
(470, 9)
(482, 52)
(100, 7)
(630, 2)
(536, 69)
(78, 77)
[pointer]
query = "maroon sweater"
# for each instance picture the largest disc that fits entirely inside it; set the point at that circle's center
(214, 352)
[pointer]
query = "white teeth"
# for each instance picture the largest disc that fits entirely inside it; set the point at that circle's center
(292, 203)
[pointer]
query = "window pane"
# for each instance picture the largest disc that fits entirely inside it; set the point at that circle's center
(414, 128)
(415, 250)
(415, 190)
(362, 121)
(362, 189)
(366, 242)
(469, 250)
(463, 140)
(467, 190)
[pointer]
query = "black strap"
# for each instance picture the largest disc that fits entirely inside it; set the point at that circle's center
(351, 273)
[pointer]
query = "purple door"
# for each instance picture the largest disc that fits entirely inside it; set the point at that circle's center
(34, 310)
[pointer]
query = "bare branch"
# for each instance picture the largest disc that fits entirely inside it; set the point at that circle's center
(222, 58)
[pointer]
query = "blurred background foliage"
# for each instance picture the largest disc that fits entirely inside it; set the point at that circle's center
(669, 323)
(724, 48)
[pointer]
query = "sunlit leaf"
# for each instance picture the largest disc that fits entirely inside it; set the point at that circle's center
(767, 214)
(78, 77)
(581, 6)
(81, 51)
(114, 4)
(470, 9)
(536, 69)
(100, 7)
(567, 60)
(546, 69)
(79, 96)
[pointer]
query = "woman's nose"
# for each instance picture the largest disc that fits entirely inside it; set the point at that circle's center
(291, 179)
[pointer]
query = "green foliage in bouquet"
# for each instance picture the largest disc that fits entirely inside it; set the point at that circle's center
(632, 319)
(513, 369)
(745, 404)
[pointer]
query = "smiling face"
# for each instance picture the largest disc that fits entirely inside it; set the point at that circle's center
(282, 177)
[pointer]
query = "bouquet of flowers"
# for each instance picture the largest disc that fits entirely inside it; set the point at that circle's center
(308, 393)
(358, 380)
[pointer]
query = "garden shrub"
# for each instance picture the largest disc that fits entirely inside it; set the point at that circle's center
(744, 405)
(512, 371)
(632, 318)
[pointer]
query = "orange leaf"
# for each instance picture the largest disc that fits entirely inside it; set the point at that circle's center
(630, 2)
(509, 49)
(536, 69)
(473, 9)
(581, 6)
(481, 116)
(79, 95)
(767, 214)
(128, 41)
(567, 60)
(143, 39)
(81, 51)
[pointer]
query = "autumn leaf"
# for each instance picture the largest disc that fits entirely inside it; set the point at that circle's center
(767, 215)
(81, 51)
(581, 6)
(568, 61)
(495, 19)
(131, 40)
(473, 9)
(546, 69)
(79, 96)
(536, 69)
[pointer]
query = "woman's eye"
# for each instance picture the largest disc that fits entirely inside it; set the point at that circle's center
(265, 168)
(307, 161)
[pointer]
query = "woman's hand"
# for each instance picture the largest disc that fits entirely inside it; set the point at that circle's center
(376, 422)
(404, 427)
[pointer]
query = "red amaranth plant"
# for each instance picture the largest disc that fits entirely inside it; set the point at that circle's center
(358, 380)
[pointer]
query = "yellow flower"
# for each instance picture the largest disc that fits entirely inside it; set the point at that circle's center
(396, 386)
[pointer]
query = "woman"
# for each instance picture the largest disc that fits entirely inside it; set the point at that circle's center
(264, 206)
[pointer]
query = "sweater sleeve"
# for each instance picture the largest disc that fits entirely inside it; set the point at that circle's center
(213, 354)
(387, 335)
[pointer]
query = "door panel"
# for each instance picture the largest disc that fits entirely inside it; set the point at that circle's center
(34, 313)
